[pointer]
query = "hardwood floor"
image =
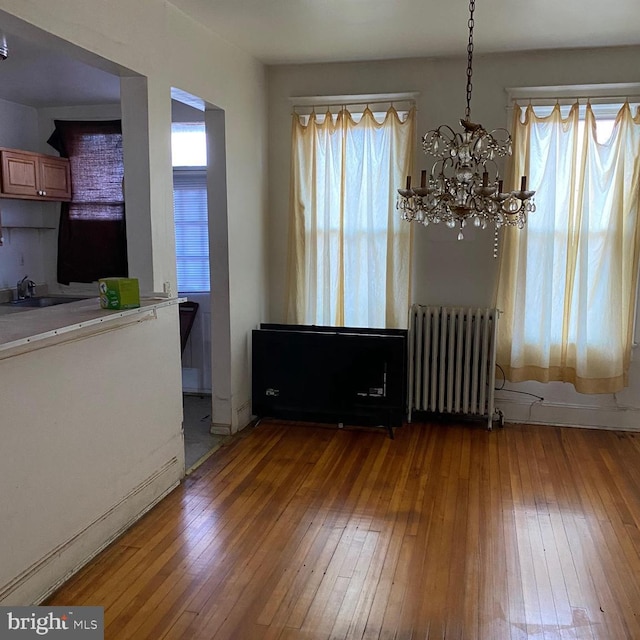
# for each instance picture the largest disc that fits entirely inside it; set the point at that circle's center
(448, 531)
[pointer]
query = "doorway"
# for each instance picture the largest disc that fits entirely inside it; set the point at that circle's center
(193, 266)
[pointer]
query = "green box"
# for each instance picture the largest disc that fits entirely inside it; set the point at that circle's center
(119, 293)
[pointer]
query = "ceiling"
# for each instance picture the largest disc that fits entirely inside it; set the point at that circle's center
(301, 31)
(293, 31)
(55, 79)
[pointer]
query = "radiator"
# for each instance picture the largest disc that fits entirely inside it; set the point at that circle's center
(452, 357)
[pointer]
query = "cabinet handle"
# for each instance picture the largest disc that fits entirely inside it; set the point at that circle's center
(44, 193)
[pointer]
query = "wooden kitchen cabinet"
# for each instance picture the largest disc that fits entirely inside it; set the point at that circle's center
(34, 176)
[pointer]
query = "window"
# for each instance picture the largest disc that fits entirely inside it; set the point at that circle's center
(188, 146)
(92, 242)
(568, 280)
(192, 230)
(349, 251)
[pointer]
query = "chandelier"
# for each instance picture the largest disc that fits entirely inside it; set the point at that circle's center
(464, 183)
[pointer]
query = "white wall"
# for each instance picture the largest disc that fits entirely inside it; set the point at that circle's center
(445, 271)
(153, 39)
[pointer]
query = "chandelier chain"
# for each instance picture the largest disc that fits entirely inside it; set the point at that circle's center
(471, 23)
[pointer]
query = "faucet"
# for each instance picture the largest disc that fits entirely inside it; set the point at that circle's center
(25, 288)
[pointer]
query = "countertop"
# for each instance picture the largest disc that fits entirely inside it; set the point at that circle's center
(22, 331)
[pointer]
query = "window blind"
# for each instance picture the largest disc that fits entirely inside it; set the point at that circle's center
(92, 241)
(192, 229)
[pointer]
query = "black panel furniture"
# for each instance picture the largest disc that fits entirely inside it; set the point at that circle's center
(330, 374)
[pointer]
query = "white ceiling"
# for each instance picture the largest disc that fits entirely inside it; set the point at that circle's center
(290, 31)
(38, 75)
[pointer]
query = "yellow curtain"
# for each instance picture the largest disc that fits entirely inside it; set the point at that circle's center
(568, 281)
(349, 250)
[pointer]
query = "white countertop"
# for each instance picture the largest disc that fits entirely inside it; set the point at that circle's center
(27, 330)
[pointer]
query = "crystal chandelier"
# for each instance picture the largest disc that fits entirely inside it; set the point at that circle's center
(464, 183)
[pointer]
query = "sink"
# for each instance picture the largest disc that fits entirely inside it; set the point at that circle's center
(42, 301)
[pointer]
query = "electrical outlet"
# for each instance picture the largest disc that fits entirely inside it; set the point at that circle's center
(166, 288)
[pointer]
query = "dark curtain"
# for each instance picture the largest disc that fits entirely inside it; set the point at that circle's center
(92, 242)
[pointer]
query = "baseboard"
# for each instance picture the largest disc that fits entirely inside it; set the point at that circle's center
(42, 578)
(619, 418)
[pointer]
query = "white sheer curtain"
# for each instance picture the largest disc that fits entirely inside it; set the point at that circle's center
(349, 250)
(568, 280)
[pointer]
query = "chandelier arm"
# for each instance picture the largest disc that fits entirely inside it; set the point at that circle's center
(441, 174)
(495, 176)
(495, 165)
(454, 134)
(503, 143)
(482, 155)
(448, 161)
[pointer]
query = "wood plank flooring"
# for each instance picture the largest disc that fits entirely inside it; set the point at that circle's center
(447, 532)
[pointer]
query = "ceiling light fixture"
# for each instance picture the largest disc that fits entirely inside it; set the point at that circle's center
(464, 182)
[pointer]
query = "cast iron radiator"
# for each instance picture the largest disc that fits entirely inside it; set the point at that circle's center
(452, 358)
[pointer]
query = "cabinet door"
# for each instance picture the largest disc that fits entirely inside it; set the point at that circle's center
(19, 173)
(55, 180)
